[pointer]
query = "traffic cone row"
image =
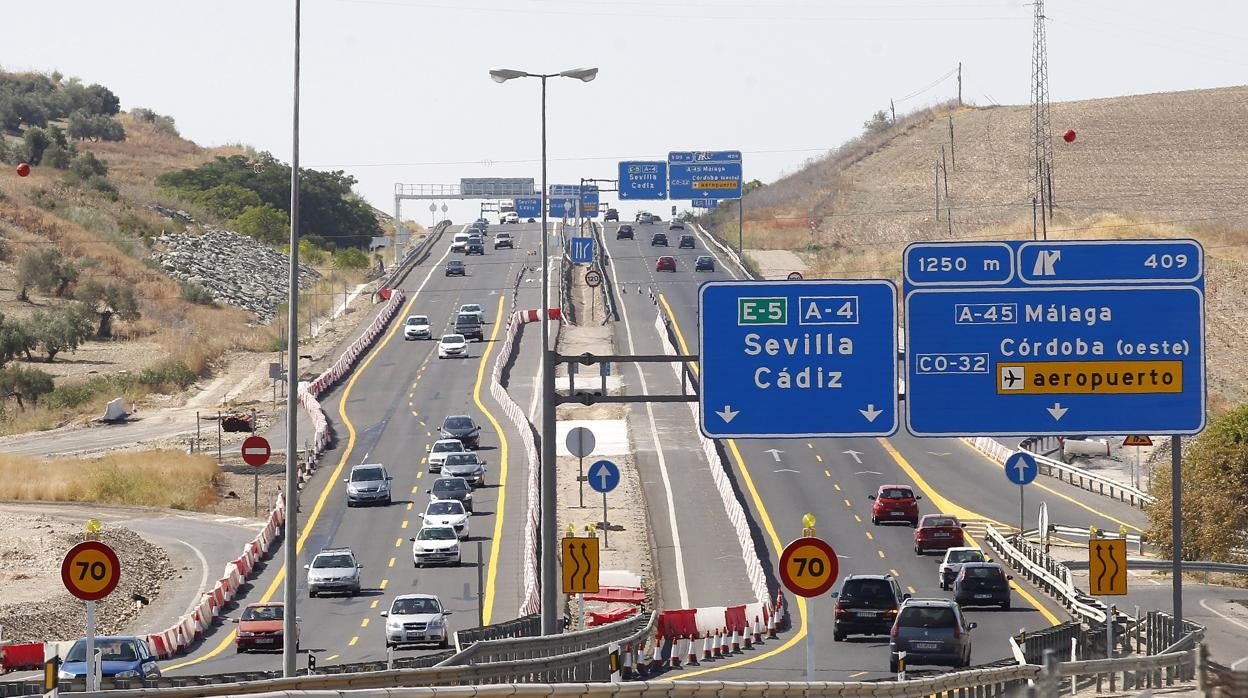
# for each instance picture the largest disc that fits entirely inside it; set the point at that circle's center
(758, 631)
(706, 647)
(673, 660)
(626, 663)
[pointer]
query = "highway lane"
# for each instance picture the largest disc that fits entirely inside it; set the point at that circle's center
(387, 412)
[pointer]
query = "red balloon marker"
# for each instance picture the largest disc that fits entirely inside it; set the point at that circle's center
(1069, 136)
(23, 170)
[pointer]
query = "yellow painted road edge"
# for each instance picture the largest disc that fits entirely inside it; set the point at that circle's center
(491, 574)
(329, 485)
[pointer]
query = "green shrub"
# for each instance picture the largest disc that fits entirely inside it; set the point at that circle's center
(103, 186)
(350, 258)
(167, 373)
(87, 165)
(194, 293)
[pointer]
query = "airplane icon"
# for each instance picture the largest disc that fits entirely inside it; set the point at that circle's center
(1012, 378)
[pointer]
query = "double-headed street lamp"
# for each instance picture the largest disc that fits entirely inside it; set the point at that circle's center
(549, 525)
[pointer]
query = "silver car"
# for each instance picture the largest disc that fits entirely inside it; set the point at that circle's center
(416, 619)
(440, 450)
(952, 564)
(467, 465)
(930, 631)
(334, 570)
(369, 483)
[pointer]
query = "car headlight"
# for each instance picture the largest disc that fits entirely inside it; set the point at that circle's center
(468, 496)
(435, 623)
(394, 625)
(244, 633)
(127, 674)
(453, 550)
(62, 674)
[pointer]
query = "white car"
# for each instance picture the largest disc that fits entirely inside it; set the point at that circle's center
(417, 327)
(448, 512)
(474, 309)
(452, 345)
(460, 243)
(435, 545)
(511, 217)
(952, 564)
(439, 450)
(414, 619)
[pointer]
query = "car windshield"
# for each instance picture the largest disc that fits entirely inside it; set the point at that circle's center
(447, 446)
(445, 508)
(896, 493)
(466, 318)
(982, 572)
(470, 308)
(407, 607)
(939, 521)
(461, 459)
(111, 650)
(965, 556)
(437, 533)
(454, 263)
(452, 339)
(458, 423)
(868, 592)
(418, 320)
(263, 613)
(367, 474)
(927, 617)
(322, 561)
(450, 484)
(704, 259)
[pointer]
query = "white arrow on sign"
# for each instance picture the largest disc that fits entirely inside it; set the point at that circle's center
(1020, 468)
(856, 455)
(604, 476)
(775, 453)
(1057, 410)
(727, 413)
(871, 413)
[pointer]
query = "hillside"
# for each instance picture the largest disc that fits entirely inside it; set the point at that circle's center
(1158, 165)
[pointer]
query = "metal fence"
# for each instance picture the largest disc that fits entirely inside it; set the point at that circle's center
(608, 284)
(526, 626)
(504, 650)
(1083, 479)
(413, 255)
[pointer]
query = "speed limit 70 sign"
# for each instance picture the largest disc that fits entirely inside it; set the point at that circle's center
(808, 567)
(90, 570)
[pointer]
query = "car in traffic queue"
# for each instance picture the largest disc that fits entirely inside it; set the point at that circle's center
(643, 217)
(938, 532)
(982, 584)
(469, 325)
(686, 242)
(453, 489)
(665, 263)
(952, 563)
(930, 631)
(262, 627)
(416, 619)
(481, 223)
(676, 224)
(417, 327)
(467, 465)
(866, 604)
(503, 240)
(704, 262)
(475, 246)
(611, 215)
(453, 346)
(434, 545)
(121, 657)
(459, 243)
(895, 503)
(511, 217)
(334, 570)
(456, 267)
(438, 451)
(448, 512)
(658, 240)
(368, 483)
(462, 427)
(475, 309)
(624, 232)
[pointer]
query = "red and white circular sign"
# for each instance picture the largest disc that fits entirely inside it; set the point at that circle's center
(795, 276)
(592, 278)
(256, 450)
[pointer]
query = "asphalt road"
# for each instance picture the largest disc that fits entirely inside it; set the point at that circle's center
(388, 411)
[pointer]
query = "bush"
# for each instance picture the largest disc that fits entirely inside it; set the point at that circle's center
(169, 373)
(84, 126)
(878, 123)
(103, 186)
(226, 200)
(46, 270)
(87, 165)
(35, 141)
(350, 258)
(163, 124)
(194, 293)
(44, 199)
(63, 328)
(264, 223)
(25, 384)
(56, 156)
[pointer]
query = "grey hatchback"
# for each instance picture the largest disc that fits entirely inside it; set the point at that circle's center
(930, 631)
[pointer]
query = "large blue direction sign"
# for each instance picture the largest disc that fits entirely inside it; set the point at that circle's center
(643, 180)
(798, 358)
(563, 200)
(705, 203)
(603, 476)
(1055, 337)
(693, 174)
(529, 206)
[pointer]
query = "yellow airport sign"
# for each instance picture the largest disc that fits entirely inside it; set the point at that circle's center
(1089, 377)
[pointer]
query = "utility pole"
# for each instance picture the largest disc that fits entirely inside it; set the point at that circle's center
(892, 108)
(959, 83)
(1041, 133)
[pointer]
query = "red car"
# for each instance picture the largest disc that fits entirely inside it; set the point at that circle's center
(938, 532)
(260, 627)
(665, 263)
(895, 503)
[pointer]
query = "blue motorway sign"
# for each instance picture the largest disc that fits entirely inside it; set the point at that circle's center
(1021, 468)
(563, 200)
(704, 174)
(581, 250)
(528, 206)
(643, 180)
(705, 203)
(603, 476)
(798, 358)
(1055, 337)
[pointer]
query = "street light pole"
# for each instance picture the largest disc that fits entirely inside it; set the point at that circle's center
(290, 529)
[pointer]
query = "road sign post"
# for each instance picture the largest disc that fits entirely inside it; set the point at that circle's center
(256, 453)
(580, 565)
(580, 442)
(1137, 441)
(90, 571)
(798, 358)
(1107, 566)
(604, 476)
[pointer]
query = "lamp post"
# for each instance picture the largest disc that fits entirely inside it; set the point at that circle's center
(290, 531)
(549, 540)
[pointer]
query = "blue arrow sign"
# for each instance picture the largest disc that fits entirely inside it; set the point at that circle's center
(563, 200)
(643, 180)
(582, 250)
(798, 358)
(529, 206)
(1055, 337)
(1021, 468)
(604, 476)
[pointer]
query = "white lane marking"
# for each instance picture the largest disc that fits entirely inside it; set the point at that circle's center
(203, 578)
(710, 247)
(658, 449)
(1228, 619)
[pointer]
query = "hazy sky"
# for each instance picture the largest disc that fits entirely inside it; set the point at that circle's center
(398, 90)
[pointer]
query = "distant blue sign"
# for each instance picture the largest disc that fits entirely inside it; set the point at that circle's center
(562, 208)
(798, 358)
(581, 250)
(705, 203)
(1021, 468)
(603, 476)
(704, 174)
(1055, 337)
(529, 207)
(563, 200)
(643, 180)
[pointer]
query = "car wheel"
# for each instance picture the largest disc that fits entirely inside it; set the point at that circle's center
(350, 503)
(918, 550)
(311, 594)
(1005, 605)
(838, 637)
(389, 644)
(875, 521)
(444, 643)
(388, 501)
(240, 650)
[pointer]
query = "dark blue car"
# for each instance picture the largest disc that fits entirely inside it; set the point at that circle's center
(125, 657)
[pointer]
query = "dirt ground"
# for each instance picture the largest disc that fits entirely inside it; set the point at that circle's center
(777, 264)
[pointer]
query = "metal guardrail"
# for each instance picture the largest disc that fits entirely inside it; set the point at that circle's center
(526, 626)
(1087, 480)
(503, 650)
(1081, 532)
(727, 251)
(413, 255)
(1141, 563)
(1048, 574)
(608, 283)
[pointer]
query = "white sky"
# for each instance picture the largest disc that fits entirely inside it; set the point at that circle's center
(398, 90)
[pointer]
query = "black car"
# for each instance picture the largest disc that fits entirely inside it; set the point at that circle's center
(475, 247)
(624, 232)
(982, 584)
(704, 262)
(867, 604)
(451, 488)
(686, 240)
(462, 427)
(469, 325)
(611, 215)
(658, 239)
(456, 267)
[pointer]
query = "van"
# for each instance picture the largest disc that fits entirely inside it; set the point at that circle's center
(460, 242)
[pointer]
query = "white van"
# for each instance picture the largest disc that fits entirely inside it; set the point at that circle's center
(460, 242)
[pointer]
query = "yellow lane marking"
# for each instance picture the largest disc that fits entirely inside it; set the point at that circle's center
(837, 486)
(420, 473)
(315, 513)
(422, 462)
(398, 542)
(847, 503)
(869, 536)
(404, 524)
(818, 457)
(410, 505)
(911, 590)
(383, 584)
(856, 674)
(415, 489)
(491, 575)
(828, 474)
(354, 640)
(391, 563)
(373, 604)
(857, 518)
(364, 622)
(894, 572)
(881, 552)
(809, 445)
(331, 657)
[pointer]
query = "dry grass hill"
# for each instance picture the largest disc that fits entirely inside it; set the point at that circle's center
(1158, 165)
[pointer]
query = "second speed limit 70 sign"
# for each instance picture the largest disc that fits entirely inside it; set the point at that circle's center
(90, 570)
(808, 567)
